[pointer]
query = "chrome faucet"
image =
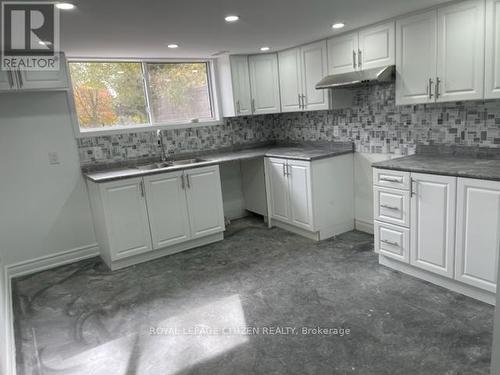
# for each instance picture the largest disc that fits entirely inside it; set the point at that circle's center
(162, 145)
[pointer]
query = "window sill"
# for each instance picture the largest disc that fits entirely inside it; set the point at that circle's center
(83, 133)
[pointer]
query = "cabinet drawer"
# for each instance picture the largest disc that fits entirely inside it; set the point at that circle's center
(389, 178)
(392, 206)
(392, 241)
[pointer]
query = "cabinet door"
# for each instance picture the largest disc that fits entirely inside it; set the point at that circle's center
(314, 68)
(432, 224)
(492, 64)
(299, 182)
(342, 54)
(416, 58)
(46, 79)
(7, 80)
(126, 217)
(290, 80)
(278, 189)
(478, 233)
(264, 83)
(204, 198)
(377, 46)
(241, 85)
(460, 67)
(167, 209)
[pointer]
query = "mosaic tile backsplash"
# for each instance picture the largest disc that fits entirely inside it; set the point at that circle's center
(373, 122)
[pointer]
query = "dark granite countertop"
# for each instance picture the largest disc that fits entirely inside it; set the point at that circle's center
(445, 164)
(308, 152)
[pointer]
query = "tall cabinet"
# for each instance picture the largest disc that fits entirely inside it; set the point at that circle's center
(440, 54)
(300, 69)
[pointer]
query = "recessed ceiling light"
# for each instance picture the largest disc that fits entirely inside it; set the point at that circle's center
(173, 45)
(65, 6)
(263, 49)
(44, 43)
(338, 25)
(231, 18)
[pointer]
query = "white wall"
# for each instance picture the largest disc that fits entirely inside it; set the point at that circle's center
(44, 208)
(363, 189)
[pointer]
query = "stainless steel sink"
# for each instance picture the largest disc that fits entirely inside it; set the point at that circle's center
(187, 161)
(166, 164)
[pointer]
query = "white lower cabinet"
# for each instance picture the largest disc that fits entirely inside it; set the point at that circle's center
(167, 208)
(139, 219)
(433, 223)
(126, 218)
(308, 198)
(453, 230)
(478, 233)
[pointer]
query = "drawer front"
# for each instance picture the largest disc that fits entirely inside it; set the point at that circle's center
(392, 241)
(392, 206)
(393, 179)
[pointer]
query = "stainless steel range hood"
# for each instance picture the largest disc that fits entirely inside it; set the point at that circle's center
(368, 76)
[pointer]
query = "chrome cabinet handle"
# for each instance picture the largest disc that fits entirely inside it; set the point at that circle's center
(438, 83)
(431, 82)
(287, 169)
(390, 243)
(10, 78)
(412, 189)
(391, 179)
(183, 183)
(390, 207)
(354, 59)
(19, 78)
(284, 166)
(141, 188)
(238, 109)
(304, 105)
(300, 101)
(359, 58)
(253, 105)
(188, 181)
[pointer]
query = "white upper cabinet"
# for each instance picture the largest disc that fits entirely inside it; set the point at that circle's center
(478, 233)
(314, 63)
(290, 72)
(416, 58)
(372, 47)
(300, 69)
(7, 80)
(376, 46)
(165, 196)
(440, 55)
(432, 229)
(264, 83)
(492, 63)
(460, 65)
(342, 54)
(241, 85)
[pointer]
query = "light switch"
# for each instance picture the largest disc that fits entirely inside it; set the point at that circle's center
(54, 158)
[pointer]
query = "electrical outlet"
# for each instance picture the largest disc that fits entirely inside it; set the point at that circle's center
(54, 158)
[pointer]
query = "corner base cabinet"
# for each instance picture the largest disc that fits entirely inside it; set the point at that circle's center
(452, 237)
(311, 198)
(142, 218)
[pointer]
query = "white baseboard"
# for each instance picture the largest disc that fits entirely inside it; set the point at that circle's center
(453, 285)
(51, 261)
(363, 226)
(26, 268)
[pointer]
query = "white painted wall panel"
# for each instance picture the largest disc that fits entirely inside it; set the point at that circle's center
(44, 208)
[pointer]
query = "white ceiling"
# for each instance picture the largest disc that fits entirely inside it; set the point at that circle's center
(143, 28)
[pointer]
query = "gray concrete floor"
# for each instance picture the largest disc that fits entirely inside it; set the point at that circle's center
(243, 306)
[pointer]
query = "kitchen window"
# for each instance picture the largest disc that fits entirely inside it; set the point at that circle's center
(121, 96)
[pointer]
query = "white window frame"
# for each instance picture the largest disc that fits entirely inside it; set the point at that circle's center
(125, 129)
